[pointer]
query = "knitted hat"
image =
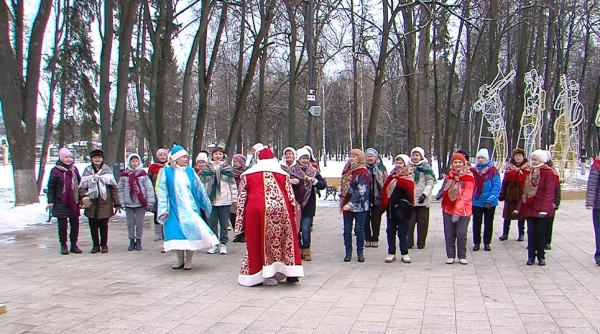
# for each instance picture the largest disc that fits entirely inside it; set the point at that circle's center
(464, 153)
(372, 151)
(541, 155)
(302, 152)
(177, 152)
(257, 147)
(518, 151)
(359, 153)
(459, 156)
(265, 153)
(63, 153)
(161, 150)
(202, 156)
(420, 150)
(405, 158)
(484, 153)
(97, 153)
(240, 158)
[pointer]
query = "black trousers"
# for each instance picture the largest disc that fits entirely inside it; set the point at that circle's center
(99, 225)
(63, 226)
(400, 227)
(373, 224)
(420, 220)
(536, 236)
(485, 216)
(549, 230)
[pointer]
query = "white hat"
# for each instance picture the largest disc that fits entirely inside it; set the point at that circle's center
(404, 158)
(289, 148)
(178, 152)
(420, 150)
(483, 153)
(541, 155)
(302, 152)
(202, 156)
(312, 155)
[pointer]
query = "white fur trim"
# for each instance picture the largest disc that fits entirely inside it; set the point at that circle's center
(270, 271)
(179, 154)
(266, 165)
(190, 245)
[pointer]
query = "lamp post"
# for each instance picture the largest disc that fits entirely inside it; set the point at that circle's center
(311, 97)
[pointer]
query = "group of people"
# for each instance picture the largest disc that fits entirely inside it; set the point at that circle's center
(271, 204)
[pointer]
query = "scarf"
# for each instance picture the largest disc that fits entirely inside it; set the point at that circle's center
(135, 188)
(532, 181)
(486, 173)
(423, 167)
(237, 173)
(347, 176)
(95, 181)
(517, 171)
(404, 176)
(455, 180)
(212, 177)
(304, 187)
(69, 196)
(377, 172)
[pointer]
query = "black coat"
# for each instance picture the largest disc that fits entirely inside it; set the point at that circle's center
(311, 206)
(401, 201)
(55, 191)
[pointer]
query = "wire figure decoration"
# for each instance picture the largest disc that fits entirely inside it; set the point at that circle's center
(566, 128)
(597, 121)
(490, 104)
(531, 120)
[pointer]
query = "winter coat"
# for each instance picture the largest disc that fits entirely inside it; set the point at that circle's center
(545, 197)
(56, 184)
(226, 193)
(399, 205)
(463, 182)
(144, 184)
(358, 193)
(378, 175)
(592, 194)
(512, 188)
(424, 182)
(310, 208)
(101, 208)
(487, 177)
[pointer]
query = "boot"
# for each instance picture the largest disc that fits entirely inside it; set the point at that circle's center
(179, 264)
(75, 249)
(521, 230)
(138, 245)
(189, 256)
(306, 254)
(63, 249)
(95, 249)
(131, 244)
(504, 235)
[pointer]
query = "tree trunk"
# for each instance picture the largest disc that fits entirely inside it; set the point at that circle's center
(20, 97)
(242, 97)
(408, 66)
(517, 110)
(291, 139)
(105, 56)
(424, 124)
(187, 83)
(260, 112)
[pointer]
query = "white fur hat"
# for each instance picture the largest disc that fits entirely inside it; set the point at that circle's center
(483, 153)
(404, 158)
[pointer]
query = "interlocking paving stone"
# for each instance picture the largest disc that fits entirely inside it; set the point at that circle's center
(127, 292)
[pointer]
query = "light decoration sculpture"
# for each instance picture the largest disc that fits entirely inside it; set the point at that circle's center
(566, 128)
(597, 120)
(490, 104)
(531, 120)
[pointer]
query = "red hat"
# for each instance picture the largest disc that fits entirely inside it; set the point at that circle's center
(458, 156)
(265, 153)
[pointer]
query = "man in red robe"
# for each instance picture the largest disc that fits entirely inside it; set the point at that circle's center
(265, 214)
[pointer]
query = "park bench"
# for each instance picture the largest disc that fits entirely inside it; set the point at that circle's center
(333, 187)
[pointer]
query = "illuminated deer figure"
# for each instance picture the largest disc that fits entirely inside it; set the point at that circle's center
(566, 128)
(531, 120)
(490, 104)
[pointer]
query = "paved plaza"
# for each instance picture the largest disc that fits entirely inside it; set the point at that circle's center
(138, 292)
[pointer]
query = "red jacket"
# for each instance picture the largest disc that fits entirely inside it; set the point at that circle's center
(543, 200)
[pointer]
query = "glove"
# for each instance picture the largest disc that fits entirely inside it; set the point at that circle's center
(543, 214)
(488, 205)
(438, 197)
(422, 198)
(455, 218)
(516, 212)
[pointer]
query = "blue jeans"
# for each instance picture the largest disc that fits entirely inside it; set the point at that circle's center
(359, 230)
(305, 226)
(596, 220)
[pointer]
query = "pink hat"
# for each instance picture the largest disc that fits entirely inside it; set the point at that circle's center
(63, 153)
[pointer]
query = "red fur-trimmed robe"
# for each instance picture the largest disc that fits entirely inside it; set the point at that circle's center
(266, 215)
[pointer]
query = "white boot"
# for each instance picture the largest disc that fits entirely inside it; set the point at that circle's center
(189, 256)
(180, 262)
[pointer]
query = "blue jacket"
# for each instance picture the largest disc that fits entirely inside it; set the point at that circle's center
(491, 187)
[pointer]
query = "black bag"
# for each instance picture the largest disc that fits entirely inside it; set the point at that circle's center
(401, 210)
